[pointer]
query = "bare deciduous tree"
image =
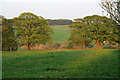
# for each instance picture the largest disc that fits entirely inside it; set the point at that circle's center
(112, 7)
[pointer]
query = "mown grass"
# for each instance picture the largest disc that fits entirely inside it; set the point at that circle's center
(61, 33)
(61, 64)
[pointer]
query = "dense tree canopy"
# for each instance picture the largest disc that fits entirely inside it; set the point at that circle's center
(98, 28)
(1, 17)
(8, 38)
(79, 33)
(102, 28)
(32, 30)
(29, 29)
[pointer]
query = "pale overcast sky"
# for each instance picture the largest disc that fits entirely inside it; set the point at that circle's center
(51, 9)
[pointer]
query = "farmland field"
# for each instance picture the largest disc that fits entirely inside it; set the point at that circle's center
(61, 32)
(61, 64)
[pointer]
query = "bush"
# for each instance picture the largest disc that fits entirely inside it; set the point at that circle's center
(109, 47)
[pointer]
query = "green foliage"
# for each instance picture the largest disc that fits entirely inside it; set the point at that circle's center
(61, 64)
(1, 17)
(28, 15)
(79, 33)
(109, 47)
(32, 30)
(102, 28)
(98, 28)
(8, 38)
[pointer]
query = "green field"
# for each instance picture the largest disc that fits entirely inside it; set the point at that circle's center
(61, 33)
(61, 64)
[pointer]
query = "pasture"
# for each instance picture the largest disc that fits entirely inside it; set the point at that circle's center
(61, 64)
(61, 33)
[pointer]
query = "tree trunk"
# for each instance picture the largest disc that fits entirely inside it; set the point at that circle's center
(84, 45)
(98, 44)
(10, 48)
(28, 43)
(28, 47)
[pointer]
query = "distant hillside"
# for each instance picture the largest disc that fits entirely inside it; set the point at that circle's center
(61, 33)
(59, 21)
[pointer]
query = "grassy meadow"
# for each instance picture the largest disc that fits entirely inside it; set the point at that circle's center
(61, 64)
(64, 44)
(61, 33)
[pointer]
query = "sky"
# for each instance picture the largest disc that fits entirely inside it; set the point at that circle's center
(51, 9)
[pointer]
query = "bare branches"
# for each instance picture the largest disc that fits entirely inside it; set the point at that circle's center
(112, 7)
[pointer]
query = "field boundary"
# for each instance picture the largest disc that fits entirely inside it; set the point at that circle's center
(55, 50)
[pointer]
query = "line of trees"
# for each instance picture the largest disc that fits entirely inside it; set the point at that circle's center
(93, 28)
(59, 22)
(97, 28)
(29, 29)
